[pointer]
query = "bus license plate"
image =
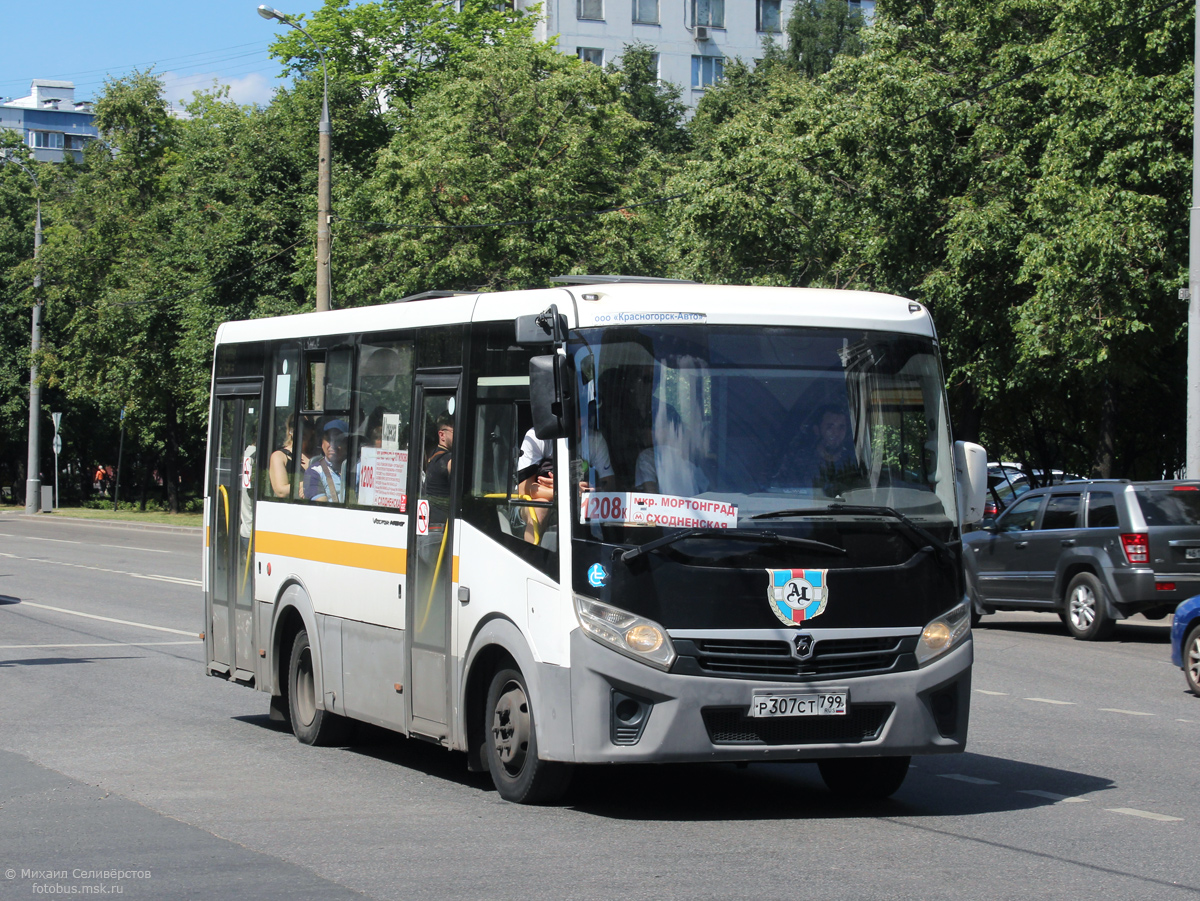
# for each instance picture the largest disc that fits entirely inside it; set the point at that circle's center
(831, 703)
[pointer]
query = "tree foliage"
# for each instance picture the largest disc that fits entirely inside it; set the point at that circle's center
(1020, 166)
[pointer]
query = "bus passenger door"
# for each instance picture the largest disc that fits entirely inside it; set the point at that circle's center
(231, 529)
(431, 553)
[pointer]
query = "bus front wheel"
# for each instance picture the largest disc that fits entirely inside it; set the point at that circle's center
(510, 745)
(864, 778)
(312, 725)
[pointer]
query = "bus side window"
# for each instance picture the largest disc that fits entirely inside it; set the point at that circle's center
(324, 426)
(500, 417)
(383, 399)
(283, 467)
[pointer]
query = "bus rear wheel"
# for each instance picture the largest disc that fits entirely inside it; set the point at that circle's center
(311, 725)
(864, 778)
(510, 745)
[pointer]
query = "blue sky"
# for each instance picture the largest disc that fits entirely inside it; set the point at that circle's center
(188, 44)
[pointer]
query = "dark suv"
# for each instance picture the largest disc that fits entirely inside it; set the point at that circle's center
(1093, 551)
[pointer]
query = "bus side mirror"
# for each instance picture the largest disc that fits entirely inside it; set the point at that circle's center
(970, 468)
(550, 395)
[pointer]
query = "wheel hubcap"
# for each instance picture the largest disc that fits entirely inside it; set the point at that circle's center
(510, 728)
(1193, 661)
(1083, 608)
(306, 701)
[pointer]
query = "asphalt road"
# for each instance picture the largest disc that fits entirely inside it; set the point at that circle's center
(123, 765)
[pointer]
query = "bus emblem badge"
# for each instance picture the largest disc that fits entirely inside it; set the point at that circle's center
(797, 595)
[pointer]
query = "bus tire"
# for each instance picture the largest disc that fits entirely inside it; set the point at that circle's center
(510, 745)
(311, 725)
(864, 778)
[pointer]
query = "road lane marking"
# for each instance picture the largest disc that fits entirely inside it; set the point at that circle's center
(1052, 701)
(1180, 720)
(996, 693)
(107, 619)
(99, 644)
(100, 569)
(1126, 712)
(1052, 796)
(957, 777)
(118, 547)
(1144, 814)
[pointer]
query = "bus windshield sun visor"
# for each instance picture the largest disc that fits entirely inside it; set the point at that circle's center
(940, 546)
(731, 535)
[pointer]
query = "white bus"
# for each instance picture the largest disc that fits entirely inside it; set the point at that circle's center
(620, 520)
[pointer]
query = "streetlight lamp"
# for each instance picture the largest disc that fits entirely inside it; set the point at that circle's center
(325, 159)
(33, 476)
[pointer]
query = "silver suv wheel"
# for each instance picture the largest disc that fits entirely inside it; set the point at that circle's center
(1086, 609)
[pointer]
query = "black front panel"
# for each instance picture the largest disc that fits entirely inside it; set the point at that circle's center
(685, 593)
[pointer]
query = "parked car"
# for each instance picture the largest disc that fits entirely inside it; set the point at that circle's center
(1185, 642)
(1005, 484)
(1093, 551)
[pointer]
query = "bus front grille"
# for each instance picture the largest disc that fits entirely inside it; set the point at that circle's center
(731, 726)
(831, 658)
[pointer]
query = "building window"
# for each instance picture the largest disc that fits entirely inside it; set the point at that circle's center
(76, 142)
(708, 12)
(707, 70)
(645, 12)
(590, 9)
(46, 140)
(654, 64)
(590, 55)
(770, 19)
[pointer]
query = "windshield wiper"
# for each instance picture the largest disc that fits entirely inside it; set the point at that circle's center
(920, 531)
(731, 535)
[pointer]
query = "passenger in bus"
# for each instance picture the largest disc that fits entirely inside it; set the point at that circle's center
(324, 480)
(283, 460)
(821, 456)
(535, 476)
(535, 481)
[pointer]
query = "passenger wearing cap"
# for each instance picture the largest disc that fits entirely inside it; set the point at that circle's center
(324, 479)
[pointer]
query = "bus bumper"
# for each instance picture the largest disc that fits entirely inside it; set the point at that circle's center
(627, 712)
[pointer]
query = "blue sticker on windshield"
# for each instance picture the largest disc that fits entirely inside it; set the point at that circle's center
(597, 575)
(797, 595)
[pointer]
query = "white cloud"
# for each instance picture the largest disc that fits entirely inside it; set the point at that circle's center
(254, 88)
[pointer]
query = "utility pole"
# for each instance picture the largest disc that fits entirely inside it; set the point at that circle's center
(324, 168)
(33, 476)
(1193, 348)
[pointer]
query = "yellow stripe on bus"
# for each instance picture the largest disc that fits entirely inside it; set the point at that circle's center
(327, 550)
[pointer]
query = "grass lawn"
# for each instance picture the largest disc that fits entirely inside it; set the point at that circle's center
(156, 517)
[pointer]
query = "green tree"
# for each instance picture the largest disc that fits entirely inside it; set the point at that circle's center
(1034, 197)
(819, 31)
(389, 50)
(651, 101)
(519, 135)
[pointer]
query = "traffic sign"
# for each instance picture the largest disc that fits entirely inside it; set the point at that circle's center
(57, 444)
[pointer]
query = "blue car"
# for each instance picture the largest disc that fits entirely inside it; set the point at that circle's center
(1185, 641)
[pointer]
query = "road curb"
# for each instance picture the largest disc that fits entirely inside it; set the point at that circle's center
(112, 523)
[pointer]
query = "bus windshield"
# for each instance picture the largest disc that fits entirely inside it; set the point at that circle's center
(700, 426)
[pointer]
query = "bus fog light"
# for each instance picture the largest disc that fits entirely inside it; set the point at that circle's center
(628, 633)
(944, 633)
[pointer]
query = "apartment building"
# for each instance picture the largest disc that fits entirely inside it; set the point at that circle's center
(50, 120)
(693, 38)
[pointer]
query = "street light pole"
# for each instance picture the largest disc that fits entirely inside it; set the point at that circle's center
(1192, 434)
(324, 168)
(33, 476)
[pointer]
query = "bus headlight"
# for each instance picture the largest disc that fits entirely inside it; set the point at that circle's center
(632, 635)
(944, 633)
